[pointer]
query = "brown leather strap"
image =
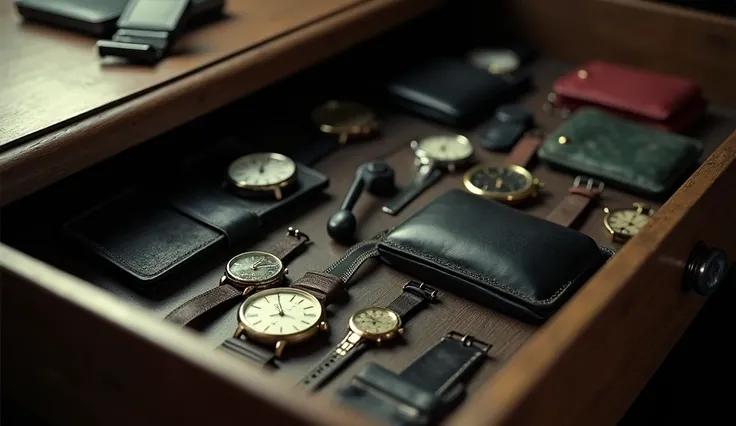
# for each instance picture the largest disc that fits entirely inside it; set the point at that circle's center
(524, 150)
(576, 202)
(196, 307)
(325, 287)
(286, 247)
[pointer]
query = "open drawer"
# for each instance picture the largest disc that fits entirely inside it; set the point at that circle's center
(79, 349)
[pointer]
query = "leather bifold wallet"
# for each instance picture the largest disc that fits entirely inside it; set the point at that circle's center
(452, 92)
(487, 252)
(662, 101)
(149, 235)
(624, 154)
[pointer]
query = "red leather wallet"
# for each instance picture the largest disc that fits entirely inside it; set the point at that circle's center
(663, 101)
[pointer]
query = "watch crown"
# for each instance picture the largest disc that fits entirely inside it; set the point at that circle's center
(286, 271)
(400, 331)
(324, 326)
(378, 341)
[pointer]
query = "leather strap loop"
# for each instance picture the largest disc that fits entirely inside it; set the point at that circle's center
(289, 245)
(325, 287)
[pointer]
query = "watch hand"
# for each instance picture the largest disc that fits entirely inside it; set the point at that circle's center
(278, 308)
(281, 308)
(257, 263)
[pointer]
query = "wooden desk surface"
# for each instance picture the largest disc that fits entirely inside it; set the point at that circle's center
(60, 99)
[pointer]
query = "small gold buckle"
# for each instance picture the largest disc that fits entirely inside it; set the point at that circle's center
(429, 292)
(590, 183)
(468, 341)
(293, 232)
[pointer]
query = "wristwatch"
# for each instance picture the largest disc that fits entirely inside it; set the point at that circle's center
(370, 325)
(510, 183)
(433, 156)
(583, 192)
(338, 122)
(625, 223)
(279, 317)
(424, 392)
(244, 274)
(262, 174)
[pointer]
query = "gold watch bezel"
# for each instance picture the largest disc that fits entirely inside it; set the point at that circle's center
(240, 283)
(362, 122)
(375, 337)
(530, 189)
(276, 188)
(423, 157)
(638, 208)
(282, 339)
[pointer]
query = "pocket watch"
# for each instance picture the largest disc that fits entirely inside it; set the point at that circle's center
(434, 155)
(345, 119)
(625, 223)
(510, 182)
(263, 173)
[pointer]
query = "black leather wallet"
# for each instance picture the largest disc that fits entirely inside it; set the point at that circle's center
(513, 262)
(149, 235)
(453, 92)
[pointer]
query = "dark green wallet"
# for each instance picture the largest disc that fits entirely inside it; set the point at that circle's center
(622, 153)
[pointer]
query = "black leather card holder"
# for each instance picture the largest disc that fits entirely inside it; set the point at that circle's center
(452, 92)
(150, 235)
(513, 262)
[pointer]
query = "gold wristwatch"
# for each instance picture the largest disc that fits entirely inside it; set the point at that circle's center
(372, 325)
(263, 173)
(625, 223)
(345, 120)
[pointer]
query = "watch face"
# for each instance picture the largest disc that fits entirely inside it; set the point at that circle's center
(495, 61)
(499, 180)
(261, 170)
(343, 116)
(254, 267)
(444, 148)
(280, 312)
(626, 222)
(375, 321)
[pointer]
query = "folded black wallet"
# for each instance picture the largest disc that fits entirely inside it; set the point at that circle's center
(150, 235)
(513, 262)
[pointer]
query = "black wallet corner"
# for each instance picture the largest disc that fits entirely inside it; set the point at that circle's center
(516, 263)
(452, 92)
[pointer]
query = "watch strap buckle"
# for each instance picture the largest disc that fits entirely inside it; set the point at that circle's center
(421, 289)
(589, 183)
(469, 341)
(294, 232)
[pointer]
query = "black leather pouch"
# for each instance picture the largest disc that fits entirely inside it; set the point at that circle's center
(513, 262)
(453, 92)
(150, 235)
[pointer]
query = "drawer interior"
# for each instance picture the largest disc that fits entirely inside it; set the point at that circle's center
(33, 227)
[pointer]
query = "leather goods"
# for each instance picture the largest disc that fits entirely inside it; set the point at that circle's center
(150, 235)
(662, 101)
(230, 290)
(425, 392)
(324, 286)
(508, 125)
(620, 152)
(524, 151)
(583, 192)
(385, 326)
(516, 263)
(452, 92)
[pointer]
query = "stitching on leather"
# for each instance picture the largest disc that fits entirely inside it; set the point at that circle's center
(492, 282)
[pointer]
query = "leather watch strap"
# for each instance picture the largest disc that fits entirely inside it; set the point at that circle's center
(524, 150)
(426, 176)
(249, 351)
(414, 297)
(581, 195)
(286, 247)
(199, 305)
(351, 261)
(325, 287)
(448, 362)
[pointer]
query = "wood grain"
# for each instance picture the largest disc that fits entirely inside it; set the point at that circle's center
(374, 286)
(657, 36)
(221, 77)
(597, 353)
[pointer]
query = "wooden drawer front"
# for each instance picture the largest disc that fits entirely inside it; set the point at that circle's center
(602, 348)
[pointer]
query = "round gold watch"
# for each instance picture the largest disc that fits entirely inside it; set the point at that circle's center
(623, 224)
(263, 173)
(345, 119)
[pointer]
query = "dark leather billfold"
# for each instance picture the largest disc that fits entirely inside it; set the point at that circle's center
(150, 235)
(513, 262)
(622, 153)
(453, 92)
(662, 101)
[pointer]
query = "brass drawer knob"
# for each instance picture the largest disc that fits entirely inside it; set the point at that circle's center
(705, 269)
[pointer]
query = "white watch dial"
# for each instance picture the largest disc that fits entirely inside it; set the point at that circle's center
(627, 222)
(376, 321)
(261, 169)
(445, 148)
(280, 312)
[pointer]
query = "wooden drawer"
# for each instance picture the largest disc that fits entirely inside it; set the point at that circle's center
(79, 348)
